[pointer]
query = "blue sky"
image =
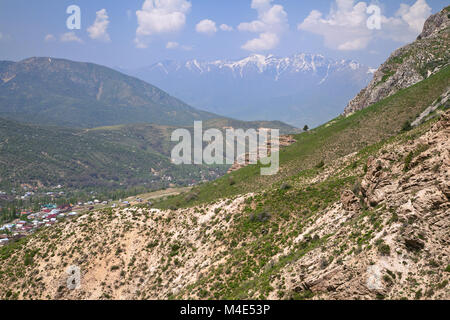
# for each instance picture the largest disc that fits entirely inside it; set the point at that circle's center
(137, 33)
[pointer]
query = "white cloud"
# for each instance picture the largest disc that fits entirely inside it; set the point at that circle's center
(266, 41)
(272, 22)
(415, 15)
(408, 22)
(345, 27)
(207, 27)
(49, 38)
(172, 45)
(160, 16)
(70, 37)
(225, 27)
(99, 30)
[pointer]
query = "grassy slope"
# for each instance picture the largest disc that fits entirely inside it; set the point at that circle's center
(245, 270)
(99, 157)
(337, 138)
(271, 220)
(103, 158)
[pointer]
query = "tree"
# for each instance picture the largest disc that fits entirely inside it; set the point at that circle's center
(305, 128)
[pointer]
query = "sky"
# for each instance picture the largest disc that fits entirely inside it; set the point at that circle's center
(137, 33)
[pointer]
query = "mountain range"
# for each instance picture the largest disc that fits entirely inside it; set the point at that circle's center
(300, 89)
(82, 125)
(67, 93)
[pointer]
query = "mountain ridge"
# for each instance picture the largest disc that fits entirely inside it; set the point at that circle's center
(300, 62)
(43, 89)
(410, 64)
(265, 87)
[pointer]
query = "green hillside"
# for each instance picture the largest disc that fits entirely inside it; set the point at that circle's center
(59, 92)
(62, 92)
(119, 157)
(328, 142)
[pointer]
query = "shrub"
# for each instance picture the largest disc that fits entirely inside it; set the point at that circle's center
(443, 284)
(285, 186)
(191, 197)
(304, 295)
(320, 165)
(384, 249)
(388, 280)
(418, 295)
(356, 188)
(260, 217)
(406, 126)
(408, 160)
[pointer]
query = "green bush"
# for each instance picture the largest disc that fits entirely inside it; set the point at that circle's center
(320, 165)
(260, 217)
(384, 249)
(406, 126)
(285, 186)
(408, 160)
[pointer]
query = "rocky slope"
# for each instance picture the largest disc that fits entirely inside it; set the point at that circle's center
(409, 64)
(401, 242)
(359, 210)
(373, 224)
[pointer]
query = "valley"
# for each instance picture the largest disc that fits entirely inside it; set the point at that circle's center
(358, 210)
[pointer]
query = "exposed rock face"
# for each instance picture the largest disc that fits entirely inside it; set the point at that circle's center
(350, 202)
(435, 24)
(244, 160)
(409, 64)
(412, 208)
(443, 100)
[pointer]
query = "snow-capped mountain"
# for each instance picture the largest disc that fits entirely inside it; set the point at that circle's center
(259, 87)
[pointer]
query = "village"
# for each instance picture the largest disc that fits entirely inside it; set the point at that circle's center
(29, 222)
(50, 214)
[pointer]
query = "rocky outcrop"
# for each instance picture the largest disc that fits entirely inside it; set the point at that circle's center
(443, 100)
(435, 24)
(350, 202)
(244, 160)
(409, 64)
(401, 236)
